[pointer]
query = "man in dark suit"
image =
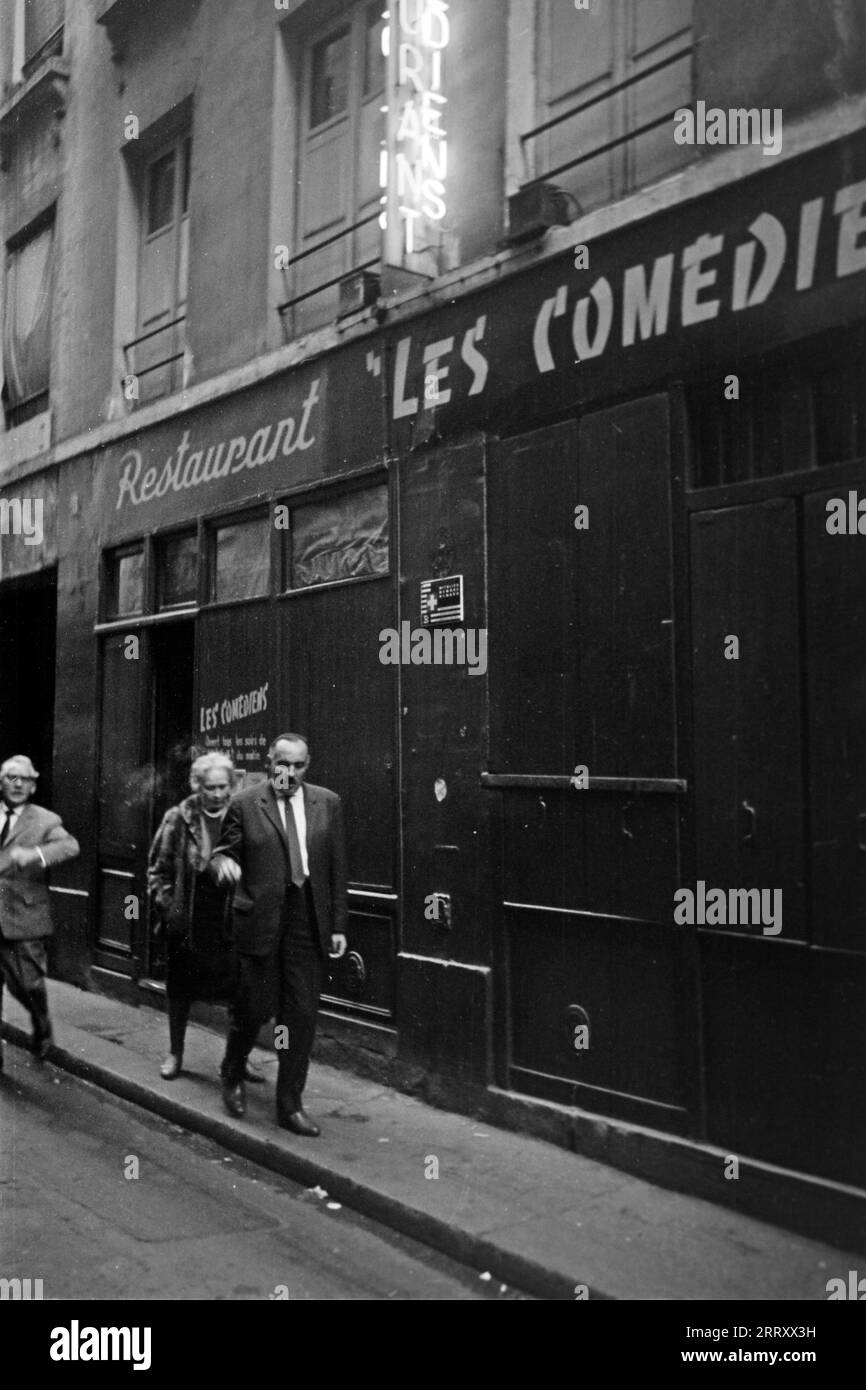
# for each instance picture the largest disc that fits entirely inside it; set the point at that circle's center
(31, 840)
(283, 846)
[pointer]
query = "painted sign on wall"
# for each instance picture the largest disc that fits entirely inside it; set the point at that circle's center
(282, 432)
(777, 257)
(237, 704)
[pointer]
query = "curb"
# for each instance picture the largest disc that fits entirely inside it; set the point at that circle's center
(476, 1252)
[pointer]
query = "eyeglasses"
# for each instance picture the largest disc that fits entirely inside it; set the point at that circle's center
(8, 778)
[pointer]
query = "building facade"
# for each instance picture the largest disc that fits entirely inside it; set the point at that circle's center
(404, 379)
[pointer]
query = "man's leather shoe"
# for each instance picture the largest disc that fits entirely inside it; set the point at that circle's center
(40, 1044)
(171, 1067)
(234, 1098)
(298, 1122)
(250, 1073)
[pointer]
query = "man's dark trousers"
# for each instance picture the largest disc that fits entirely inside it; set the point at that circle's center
(23, 968)
(284, 985)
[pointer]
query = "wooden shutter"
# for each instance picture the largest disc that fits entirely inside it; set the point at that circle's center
(747, 712)
(836, 647)
(625, 717)
(660, 28)
(158, 275)
(533, 492)
(577, 61)
(584, 54)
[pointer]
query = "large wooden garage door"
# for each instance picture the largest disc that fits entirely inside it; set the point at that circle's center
(780, 766)
(581, 642)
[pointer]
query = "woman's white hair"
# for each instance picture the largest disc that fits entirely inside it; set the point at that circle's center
(207, 763)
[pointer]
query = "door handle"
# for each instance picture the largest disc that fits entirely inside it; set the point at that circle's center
(750, 834)
(629, 834)
(861, 830)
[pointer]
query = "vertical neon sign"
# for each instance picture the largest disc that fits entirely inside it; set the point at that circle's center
(414, 164)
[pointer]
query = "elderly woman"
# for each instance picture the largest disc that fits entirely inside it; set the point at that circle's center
(193, 911)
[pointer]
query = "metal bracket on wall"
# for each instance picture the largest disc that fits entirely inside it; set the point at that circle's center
(634, 786)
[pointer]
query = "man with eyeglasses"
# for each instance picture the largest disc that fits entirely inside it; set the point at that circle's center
(31, 841)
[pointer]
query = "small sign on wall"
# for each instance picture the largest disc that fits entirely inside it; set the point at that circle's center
(442, 600)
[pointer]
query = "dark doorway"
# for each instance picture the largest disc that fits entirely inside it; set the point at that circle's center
(173, 674)
(28, 631)
(173, 664)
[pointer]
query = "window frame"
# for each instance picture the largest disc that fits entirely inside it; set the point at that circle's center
(160, 542)
(109, 586)
(317, 495)
(302, 37)
(527, 107)
(141, 327)
(26, 61)
(314, 127)
(27, 408)
(221, 521)
(179, 145)
(801, 369)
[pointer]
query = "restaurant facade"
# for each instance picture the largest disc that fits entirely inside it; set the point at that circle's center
(615, 452)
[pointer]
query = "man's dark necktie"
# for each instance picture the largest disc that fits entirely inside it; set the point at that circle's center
(298, 877)
(7, 826)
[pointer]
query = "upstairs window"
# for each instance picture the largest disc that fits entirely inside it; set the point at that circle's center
(155, 355)
(329, 78)
(27, 301)
(35, 29)
(340, 78)
(43, 31)
(607, 84)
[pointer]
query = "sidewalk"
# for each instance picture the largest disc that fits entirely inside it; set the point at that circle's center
(530, 1214)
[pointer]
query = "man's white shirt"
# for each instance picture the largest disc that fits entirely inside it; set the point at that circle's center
(300, 813)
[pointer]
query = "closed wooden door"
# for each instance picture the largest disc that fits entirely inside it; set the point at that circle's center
(749, 788)
(836, 646)
(338, 693)
(582, 642)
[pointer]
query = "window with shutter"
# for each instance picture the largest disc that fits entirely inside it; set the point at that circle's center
(606, 84)
(27, 297)
(155, 357)
(341, 82)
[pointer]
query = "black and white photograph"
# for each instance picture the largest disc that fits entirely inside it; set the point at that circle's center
(433, 665)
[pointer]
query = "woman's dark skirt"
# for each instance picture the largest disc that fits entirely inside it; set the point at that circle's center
(202, 966)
